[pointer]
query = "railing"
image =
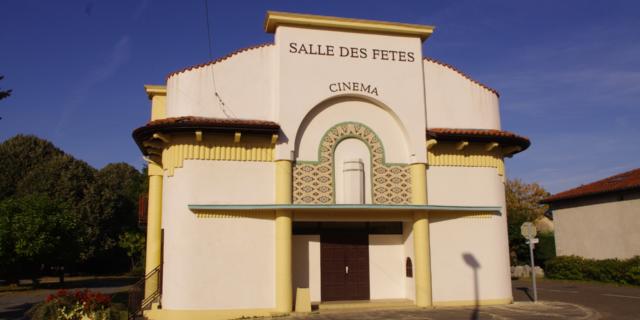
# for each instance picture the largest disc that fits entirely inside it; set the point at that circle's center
(152, 284)
(143, 201)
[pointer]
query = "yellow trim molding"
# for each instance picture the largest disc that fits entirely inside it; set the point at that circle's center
(164, 314)
(462, 214)
(216, 148)
(431, 143)
(275, 19)
(158, 96)
(206, 214)
(153, 90)
(465, 303)
(446, 154)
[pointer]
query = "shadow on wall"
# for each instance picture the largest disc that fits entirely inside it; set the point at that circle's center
(472, 262)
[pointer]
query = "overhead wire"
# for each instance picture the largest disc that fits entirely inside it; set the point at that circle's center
(226, 111)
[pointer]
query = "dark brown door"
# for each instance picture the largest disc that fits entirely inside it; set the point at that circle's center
(344, 265)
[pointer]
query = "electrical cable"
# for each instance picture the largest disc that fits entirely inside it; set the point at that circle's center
(221, 103)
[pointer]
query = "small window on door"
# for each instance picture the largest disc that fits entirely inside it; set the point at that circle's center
(409, 267)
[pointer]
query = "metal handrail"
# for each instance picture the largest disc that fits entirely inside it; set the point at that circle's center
(137, 301)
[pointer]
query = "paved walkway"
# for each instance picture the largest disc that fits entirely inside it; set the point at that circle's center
(610, 300)
(559, 300)
(518, 310)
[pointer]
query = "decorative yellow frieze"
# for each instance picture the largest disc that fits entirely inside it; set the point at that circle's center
(446, 154)
(235, 215)
(218, 147)
(477, 215)
(462, 215)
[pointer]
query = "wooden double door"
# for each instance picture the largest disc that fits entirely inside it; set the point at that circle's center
(344, 265)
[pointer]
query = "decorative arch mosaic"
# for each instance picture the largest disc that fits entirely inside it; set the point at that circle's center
(314, 181)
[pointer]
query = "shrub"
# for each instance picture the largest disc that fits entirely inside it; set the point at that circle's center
(608, 270)
(545, 249)
(76, 306)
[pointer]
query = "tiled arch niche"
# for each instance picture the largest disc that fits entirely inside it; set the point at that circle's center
(314, 181)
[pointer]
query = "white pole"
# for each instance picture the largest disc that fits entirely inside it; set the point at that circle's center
(533, 272)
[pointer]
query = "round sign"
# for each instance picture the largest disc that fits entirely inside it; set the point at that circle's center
(528, 230)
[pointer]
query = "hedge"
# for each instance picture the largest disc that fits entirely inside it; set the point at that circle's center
(608, 270)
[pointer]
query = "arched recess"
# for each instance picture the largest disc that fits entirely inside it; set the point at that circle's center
(314, 181)
(347, 97)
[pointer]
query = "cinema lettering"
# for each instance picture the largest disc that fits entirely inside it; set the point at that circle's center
(353, 87)
(351, 52)
(345, 168)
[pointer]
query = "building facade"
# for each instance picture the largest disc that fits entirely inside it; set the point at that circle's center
(335, 164)
(599, 220)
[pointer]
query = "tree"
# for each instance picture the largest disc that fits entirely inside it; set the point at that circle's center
(101, 203)
(4, 93)
(133, 242)
(523, 204)
(18, 156)
(524, 198)
(110, 208)
(35, 231)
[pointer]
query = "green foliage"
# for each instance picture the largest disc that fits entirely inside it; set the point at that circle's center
(42, 189)
(519, 250)
(133, 242)
(545, 249)
(523, 204)
(36, 230)
(608, 270)
(18, 156)
(4, 93)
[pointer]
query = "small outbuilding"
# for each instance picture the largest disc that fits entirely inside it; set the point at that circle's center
(599, 220)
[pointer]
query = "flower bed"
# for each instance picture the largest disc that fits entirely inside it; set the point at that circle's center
(77, 305)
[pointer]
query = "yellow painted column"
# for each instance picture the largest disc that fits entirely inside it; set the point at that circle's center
(158, 96)
(422, 254)
(154, 226)
(284, 283)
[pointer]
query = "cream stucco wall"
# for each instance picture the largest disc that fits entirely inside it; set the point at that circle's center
(407, 238)
(346, 109)
(244, 83)
(454, 101)
(306, 264)
(599, 231)
(459, 242)
(233, 255)
(386, 267)
(399, 84)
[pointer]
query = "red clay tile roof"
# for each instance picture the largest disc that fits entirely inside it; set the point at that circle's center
(505, 138)
(446, 65)
(623, 181)
(202, 65)
(185, 124)
(212, 122)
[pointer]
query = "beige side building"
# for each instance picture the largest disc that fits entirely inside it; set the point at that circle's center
(335, 164)
(599, 220)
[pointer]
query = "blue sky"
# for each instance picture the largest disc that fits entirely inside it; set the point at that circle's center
(568, 71)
